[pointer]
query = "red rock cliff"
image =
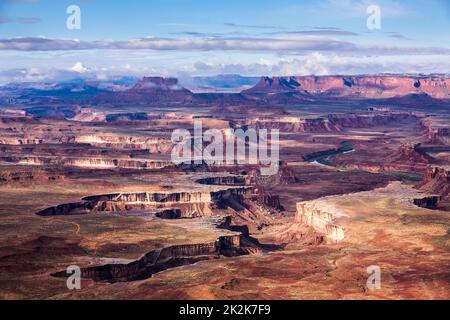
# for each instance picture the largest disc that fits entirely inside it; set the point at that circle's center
(365, 87)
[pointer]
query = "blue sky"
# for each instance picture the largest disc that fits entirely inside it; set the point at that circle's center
(252, 37)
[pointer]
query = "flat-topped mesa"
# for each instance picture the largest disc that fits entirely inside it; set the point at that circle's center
(153, 197)
(333, 122)
(362, 87)
(88, 162)
(116, 163)
(437, 181)
(149, 90)
(153, 144)
(193, 204)
(320, 221)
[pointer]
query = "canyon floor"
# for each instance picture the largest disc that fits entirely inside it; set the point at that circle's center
(356, 188)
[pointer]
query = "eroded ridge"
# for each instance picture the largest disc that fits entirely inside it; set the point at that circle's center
(191, 204)
(323, 220)
(236, 200)
(173, 256)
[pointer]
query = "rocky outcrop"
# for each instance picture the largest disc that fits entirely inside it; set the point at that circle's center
(149, 91)
(322, 221)
(153, 197)
(172, 213)
(148, 201)
(88, 162)
(381, 168)
(358, 87)
(224, 180)
(333, 122)
(88, 115)
(437, 181)
(408, 158)
(412, 154)
(15, 175)
(67, 209)
(161, 259)
(270, 200)
(174, 256)
(429, 202)
(153, 144)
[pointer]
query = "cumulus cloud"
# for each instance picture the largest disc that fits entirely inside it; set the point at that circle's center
(35, 74)
(328, 64)
(79, 67)
(315, 63)
(77, 71)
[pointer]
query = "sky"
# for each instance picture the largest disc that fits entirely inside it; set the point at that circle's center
(197, 37)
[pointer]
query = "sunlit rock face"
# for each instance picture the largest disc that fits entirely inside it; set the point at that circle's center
(154, 145)
(193, 204)
(320, 219)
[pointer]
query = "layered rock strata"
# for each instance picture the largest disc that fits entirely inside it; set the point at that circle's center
(320, 220)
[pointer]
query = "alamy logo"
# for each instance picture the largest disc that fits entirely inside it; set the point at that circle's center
(374, 19)
(374, 280)
(227, 147)
(74, 280)
(73, 22)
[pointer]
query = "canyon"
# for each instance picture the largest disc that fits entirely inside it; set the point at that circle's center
(362, 180)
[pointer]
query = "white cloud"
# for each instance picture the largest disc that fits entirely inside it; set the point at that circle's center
(329, 64)
(316, 63)
(79, 67)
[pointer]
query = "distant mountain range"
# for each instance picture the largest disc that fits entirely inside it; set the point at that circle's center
(266, 91)
(356, 87)
(149, 90)
(76, 88)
